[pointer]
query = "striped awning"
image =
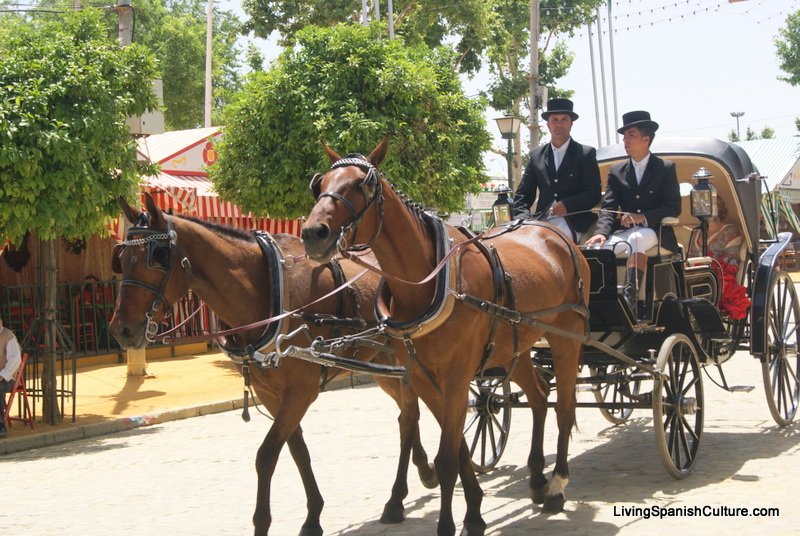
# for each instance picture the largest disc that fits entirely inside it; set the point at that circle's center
(194, 195)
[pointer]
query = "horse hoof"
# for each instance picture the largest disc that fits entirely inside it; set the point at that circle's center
(473, 529)
(554, 504)
(538, 494)
(311, 531)
(431, 481)
(393, 514)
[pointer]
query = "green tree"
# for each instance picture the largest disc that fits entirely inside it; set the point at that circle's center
(66, 87)
(66, 155)
(767, 133)
(347, 87)
(788, 48)
(733, 136)
(175, 30)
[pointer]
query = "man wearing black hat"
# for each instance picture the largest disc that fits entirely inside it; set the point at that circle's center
(564, 173)
(641, 191)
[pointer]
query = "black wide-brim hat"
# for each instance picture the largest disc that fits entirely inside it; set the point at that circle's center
(559, 106)
(639, 118)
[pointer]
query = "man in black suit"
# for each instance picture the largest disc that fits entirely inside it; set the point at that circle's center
(641, 191)
(565, 175)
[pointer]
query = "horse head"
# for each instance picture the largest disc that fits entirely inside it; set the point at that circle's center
(145, 260)
(348, 196)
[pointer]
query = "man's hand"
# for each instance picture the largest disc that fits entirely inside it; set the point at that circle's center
(596, 241)
(558, 209)
(629, 219)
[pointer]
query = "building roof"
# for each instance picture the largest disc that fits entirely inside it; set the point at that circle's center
(162, 147)
(774, 158)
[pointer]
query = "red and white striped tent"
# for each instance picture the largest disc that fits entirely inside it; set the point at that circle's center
(183, 186)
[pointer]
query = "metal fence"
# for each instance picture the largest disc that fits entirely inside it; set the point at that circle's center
(84, 312)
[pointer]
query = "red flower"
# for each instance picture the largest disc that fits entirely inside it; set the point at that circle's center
(734, 301)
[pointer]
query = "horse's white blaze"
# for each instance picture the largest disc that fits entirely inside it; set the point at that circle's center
(557, 485)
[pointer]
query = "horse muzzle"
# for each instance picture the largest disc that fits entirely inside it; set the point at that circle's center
(319, 242)
(129, 337)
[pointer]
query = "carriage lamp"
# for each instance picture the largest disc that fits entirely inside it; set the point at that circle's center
(501, 208)
(703, 199)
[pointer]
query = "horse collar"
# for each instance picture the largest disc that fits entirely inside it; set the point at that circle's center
(443, 300)
(275, 266)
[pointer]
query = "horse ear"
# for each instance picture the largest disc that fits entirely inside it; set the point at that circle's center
(156, 216)
(132, 214)
(333, 155)
(379, 152)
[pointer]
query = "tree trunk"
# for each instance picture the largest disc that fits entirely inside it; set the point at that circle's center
(50, 410)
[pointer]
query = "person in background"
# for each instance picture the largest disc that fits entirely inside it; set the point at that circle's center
(10, 359)
(565, 175)
(642, 190)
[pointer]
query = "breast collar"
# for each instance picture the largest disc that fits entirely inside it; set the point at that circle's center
(275, 266)
(443, 300)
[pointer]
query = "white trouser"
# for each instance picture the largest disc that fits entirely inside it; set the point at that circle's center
(636, 239)
(561, 223)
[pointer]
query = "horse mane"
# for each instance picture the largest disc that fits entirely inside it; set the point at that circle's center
(415, 208)
(220, 229)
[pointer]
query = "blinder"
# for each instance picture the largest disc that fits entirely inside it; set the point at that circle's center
(314, 185)
(116, 258)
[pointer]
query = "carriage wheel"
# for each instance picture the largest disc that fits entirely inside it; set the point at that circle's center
(780, 365)
(488, 421)
(615, 392)
(678, 405)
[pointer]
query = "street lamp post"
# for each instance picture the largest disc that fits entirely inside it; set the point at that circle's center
(737, 115)
(509, 126)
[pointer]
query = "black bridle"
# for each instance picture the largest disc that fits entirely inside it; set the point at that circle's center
(161, 248)
(371, 188)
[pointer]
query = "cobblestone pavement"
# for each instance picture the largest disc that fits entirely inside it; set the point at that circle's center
(196, 476)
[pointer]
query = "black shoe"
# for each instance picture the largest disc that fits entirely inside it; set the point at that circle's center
(3, 432)
(629, 294)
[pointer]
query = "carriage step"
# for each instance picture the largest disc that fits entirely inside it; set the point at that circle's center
(741, 388)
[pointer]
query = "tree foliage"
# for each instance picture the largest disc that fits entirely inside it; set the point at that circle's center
(348, 87)
(175, 30)
(788, 48)
(66, 153)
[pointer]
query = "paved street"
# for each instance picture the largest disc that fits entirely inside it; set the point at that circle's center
(196, 477)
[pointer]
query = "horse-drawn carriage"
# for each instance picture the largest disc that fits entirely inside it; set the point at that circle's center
(652, 358)
(464, 311)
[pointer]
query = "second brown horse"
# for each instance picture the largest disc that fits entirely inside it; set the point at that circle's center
(165, 256)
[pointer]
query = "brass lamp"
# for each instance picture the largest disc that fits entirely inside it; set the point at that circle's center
(501, 208)
(703, 200)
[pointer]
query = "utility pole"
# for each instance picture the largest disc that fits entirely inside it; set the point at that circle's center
(533, 125)
(209, 55)
(737, 115)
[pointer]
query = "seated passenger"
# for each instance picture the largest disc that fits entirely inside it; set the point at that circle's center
(724, 239)
(724, 244)
(642, 190)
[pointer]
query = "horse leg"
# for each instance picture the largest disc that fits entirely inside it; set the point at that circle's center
(474, 525)
(450, 410)
(285, 427)
(314, 500)
(393, 511)
(536, 390)
(566, 355)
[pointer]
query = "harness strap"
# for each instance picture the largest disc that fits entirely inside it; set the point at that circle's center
(414, 358)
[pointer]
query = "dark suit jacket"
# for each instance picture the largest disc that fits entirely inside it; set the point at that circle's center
(656, 197)
(577, 183)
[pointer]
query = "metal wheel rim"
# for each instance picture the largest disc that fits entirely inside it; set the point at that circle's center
(488, 422)
(601, 395)
(678, 406)
(780, 366)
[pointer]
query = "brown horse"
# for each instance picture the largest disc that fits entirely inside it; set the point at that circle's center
(441, 325)
(165, 256)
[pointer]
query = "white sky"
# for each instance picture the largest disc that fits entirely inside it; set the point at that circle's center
(690, 63)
